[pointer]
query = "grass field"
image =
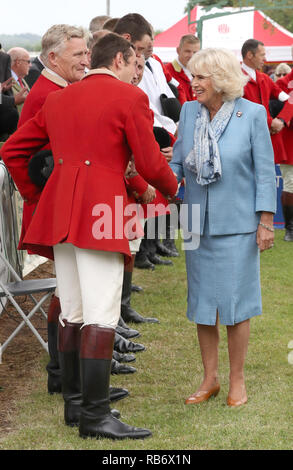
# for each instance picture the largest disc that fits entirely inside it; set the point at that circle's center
(170, 369)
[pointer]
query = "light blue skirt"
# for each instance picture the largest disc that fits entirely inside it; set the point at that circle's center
(223, 275)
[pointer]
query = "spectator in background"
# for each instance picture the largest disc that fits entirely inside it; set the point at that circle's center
(8, 102)
(286, 84)
(20, 65)
(97, 23)
(110, 24)
(189, 45)
(281, 71)
(261, 89)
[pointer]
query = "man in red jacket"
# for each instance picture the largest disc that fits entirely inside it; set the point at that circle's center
(189, 45)
(64, 55)
(261, 89)
(286, 84)
(94, 127)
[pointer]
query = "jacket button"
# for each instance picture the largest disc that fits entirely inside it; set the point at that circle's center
(87, 162)
(60, 161)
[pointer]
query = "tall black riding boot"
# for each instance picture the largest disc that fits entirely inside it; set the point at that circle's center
(68, 346)
(128, 314)
(169, 242)
(287, 205)
(53, 366)
(95, 359)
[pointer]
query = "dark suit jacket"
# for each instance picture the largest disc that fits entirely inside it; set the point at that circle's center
(5, 73)
(8, 111)
(34, 72)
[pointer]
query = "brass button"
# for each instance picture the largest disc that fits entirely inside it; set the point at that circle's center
(87, 162)
(60, 161)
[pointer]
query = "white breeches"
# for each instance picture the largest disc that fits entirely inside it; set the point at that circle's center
(89, 284)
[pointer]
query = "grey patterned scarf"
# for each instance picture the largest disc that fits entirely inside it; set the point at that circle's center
(204, 159)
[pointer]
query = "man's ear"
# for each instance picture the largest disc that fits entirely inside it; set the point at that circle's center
(118, 60)
(52, 56)
(249, 55)
(126, 36)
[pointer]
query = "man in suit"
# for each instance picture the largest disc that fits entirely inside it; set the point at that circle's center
(115, 119)
(188, 45)
(8, 102)
(35, 71)
(20, 64)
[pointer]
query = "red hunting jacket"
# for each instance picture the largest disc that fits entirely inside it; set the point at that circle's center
(94, 126)
(286, 84)
(261, 91)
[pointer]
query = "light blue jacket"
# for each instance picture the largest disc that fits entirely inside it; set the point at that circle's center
(248, 183)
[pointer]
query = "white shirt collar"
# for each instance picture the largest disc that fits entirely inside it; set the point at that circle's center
(13, 74)
(251, 72)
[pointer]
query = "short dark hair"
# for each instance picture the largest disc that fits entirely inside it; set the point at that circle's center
(106, 49)
(250, 45)
(135, 25)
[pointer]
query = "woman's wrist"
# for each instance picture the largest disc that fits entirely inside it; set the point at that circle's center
(267, 218)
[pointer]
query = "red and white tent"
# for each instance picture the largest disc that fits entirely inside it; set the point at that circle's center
(229, 32)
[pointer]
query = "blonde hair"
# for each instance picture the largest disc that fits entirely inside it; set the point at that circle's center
(223, 67)
(55, 38)
(282, 68)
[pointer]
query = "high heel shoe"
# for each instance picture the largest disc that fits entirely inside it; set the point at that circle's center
(202, 395)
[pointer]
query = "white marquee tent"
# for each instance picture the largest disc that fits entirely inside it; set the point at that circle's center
(228, 32)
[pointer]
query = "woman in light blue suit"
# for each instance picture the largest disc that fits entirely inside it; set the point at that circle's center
(224, 152)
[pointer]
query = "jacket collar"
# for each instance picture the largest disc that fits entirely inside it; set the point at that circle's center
(54, 78)
(101, 71)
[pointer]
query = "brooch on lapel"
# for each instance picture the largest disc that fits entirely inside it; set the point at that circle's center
(239, 114)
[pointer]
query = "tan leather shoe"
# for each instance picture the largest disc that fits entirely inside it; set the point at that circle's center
(233, 403)
(202, 395)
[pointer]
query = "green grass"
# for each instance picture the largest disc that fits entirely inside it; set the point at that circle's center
(170, 369)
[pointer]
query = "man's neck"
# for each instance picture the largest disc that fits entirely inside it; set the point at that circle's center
(249, 70)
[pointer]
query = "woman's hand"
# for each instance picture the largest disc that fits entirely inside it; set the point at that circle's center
(265, 232)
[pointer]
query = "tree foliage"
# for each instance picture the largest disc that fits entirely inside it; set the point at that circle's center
(280, 14)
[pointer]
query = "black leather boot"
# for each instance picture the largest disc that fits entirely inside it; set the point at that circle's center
(123, 345)
(68, 347)
(117, 368)
(96, 419)
(169, 242)
(123, 357)
(117, 393)
(53, 366)
(156, 259)
(135, 288)
(287, 206)
(128, 314)
(127, 332)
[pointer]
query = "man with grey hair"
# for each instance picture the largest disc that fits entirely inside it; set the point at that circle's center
(64, 57)
(52, 41)
(20, 64)
(98, 22)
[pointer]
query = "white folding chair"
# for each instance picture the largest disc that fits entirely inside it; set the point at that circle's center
(19, 287)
